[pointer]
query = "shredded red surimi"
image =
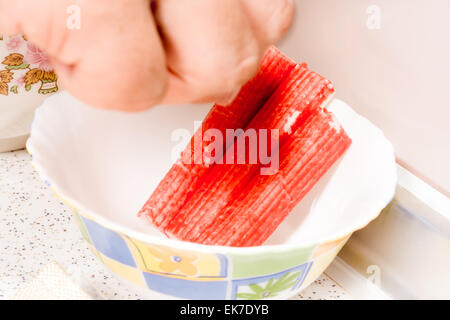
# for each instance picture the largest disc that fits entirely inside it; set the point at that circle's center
(182, 179)
(233, 204)
(266, 201)
(301, 94)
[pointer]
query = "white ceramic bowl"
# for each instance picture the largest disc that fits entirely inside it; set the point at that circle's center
(105, 165)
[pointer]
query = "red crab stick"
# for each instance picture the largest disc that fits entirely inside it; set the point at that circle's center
(182, 179)
(225, 220)
(267, 200)
(296, 98)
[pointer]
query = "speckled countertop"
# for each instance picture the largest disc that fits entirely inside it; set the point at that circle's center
(37, 229)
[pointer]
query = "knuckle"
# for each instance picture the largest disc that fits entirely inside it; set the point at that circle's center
(234, 75)
(127, 94)
(159, 89)
(245, 70)
(220, 77)
(149, 95)
(282, 18)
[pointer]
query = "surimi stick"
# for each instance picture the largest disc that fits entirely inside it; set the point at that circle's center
(258, 190)
(182, 179)
(267, 200)
(270, 225)
(225, 220)
(299, 95)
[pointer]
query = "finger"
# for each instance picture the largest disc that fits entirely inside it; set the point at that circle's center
(10, 23)
(210, 47)
(124, 64)
(270, 19)
(42, 21)
(114, 60)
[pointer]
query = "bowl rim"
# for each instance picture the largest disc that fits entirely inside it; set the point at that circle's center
(185, 245)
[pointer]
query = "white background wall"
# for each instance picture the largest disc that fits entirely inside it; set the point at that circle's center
(398, 75)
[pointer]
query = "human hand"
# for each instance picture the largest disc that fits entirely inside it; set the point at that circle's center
(132, 54)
